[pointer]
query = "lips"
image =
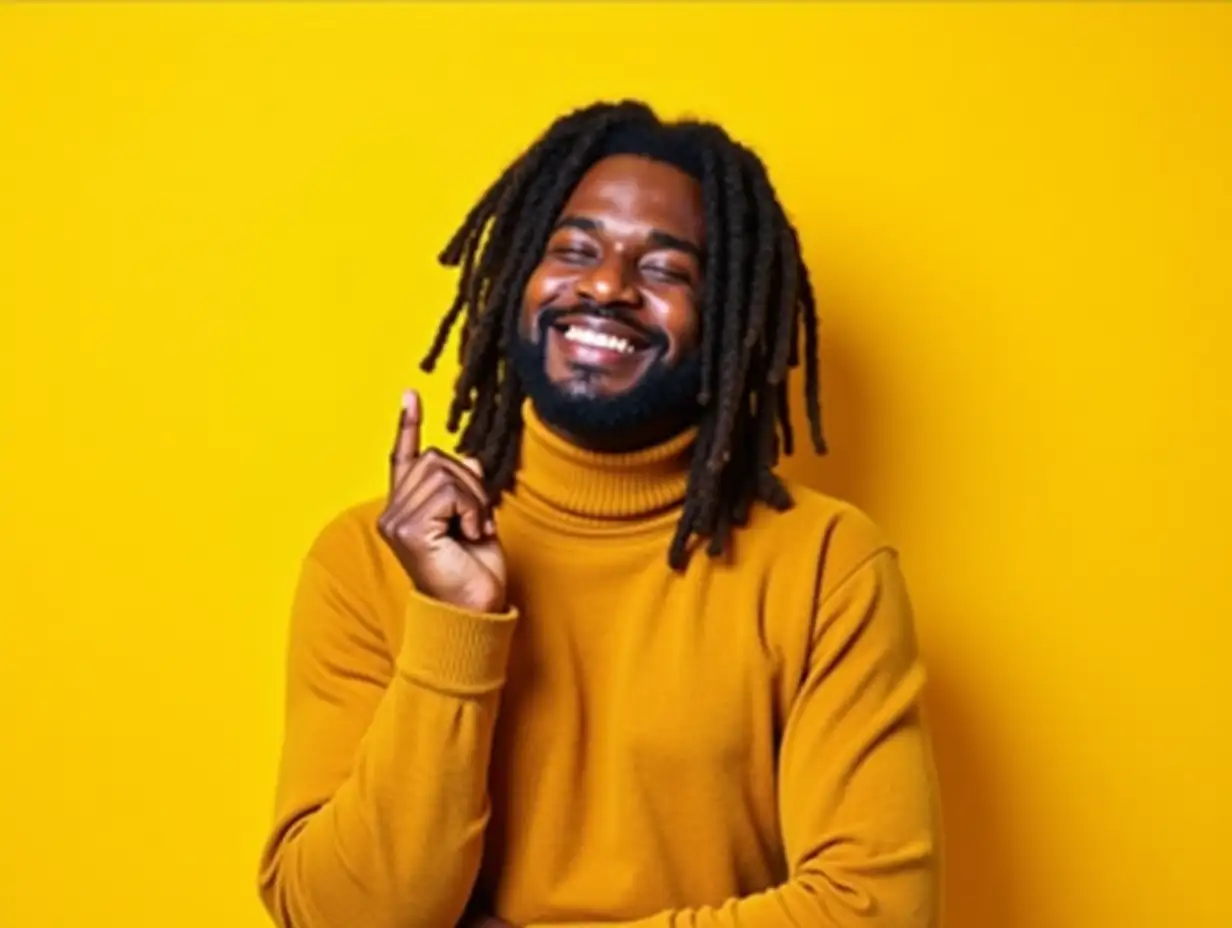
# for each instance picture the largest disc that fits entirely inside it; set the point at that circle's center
(582, 335)
(602, 333)
(603, 328)
(600, 342)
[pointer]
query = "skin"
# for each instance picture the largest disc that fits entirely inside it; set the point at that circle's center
(630, 240)
(438, 521)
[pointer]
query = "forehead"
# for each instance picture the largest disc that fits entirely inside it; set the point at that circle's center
(633, 191)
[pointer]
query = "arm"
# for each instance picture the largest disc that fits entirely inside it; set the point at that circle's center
(856, 788)
(382, 793)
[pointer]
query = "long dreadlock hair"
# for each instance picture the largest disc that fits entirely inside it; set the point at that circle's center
(756, 299)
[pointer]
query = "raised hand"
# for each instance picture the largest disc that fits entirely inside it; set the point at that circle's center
(438, 521)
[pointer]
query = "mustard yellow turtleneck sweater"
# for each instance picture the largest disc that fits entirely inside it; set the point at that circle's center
(735, 747)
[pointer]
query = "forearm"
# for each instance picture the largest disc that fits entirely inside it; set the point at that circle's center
(817, 900)
(399, 841)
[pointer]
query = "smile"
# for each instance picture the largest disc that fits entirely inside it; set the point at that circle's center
(591, 341)
(595, 339)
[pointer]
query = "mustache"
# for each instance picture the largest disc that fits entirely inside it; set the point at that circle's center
(551, 315)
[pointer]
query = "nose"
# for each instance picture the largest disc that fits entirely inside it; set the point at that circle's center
(607, 282)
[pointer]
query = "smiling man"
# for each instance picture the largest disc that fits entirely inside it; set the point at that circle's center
(605, 353)
(604, 665)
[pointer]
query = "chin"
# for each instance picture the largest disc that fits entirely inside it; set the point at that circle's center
(592, 385)
(594, 412)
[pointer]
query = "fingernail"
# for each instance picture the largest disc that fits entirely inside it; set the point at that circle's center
(489, 527)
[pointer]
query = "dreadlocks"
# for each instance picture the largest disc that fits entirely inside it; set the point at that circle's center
(756, 298)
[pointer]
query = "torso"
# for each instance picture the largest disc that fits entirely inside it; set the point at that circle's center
(634, 761)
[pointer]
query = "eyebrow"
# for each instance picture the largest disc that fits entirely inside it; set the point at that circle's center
(657, 237)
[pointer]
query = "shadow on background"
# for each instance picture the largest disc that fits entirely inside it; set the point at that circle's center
(979, 883)
(848, 471)
(978, 880)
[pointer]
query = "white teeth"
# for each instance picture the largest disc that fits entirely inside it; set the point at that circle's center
(595, 339)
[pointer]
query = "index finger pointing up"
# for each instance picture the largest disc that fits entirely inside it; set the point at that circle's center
(406, 445)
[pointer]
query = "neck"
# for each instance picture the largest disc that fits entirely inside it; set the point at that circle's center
(602, 485)
(626, 441)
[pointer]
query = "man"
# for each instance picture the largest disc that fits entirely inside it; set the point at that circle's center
(518, 689)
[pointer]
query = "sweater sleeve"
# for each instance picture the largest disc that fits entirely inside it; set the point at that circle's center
(382, 791)
(857, 788)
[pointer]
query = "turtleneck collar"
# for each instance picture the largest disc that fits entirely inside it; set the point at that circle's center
(599, 488)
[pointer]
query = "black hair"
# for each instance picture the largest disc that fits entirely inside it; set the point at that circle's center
(755, 303)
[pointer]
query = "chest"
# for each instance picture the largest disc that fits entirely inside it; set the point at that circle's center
(621, 660)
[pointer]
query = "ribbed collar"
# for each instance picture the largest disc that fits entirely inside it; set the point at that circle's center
(600, 489)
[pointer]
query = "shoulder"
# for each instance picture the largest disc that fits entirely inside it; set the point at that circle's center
(349, 547)
(348, 533)
(821, 539)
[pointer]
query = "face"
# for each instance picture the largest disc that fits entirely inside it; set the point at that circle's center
(609, 328)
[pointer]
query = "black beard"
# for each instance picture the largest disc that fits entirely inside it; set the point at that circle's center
(664, 398)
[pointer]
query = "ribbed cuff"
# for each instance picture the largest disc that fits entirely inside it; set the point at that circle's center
(455, 650)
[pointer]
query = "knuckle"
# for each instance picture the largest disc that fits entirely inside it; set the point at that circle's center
(437, 480)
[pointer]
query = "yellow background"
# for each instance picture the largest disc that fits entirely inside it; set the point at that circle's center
(217, 236)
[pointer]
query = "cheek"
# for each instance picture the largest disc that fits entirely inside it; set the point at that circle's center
(546, 282)
(534, 295)
(681, 320)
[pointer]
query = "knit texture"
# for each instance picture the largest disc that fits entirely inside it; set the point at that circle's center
(736, 746)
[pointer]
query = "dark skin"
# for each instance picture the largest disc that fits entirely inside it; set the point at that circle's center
(630, 240)
(438, 521)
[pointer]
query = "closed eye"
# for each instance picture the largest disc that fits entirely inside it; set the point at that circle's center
(573, 253)
(668, 274)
